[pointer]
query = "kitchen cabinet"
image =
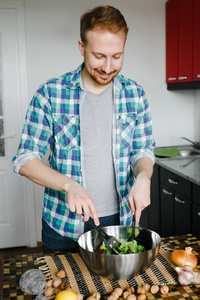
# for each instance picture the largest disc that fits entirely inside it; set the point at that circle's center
(150, 217)
(176, 205)
(196, 210)
(167, 211)
(175, 213)
(196, 45)
(144, 219)
(183, 44)
(154, 208)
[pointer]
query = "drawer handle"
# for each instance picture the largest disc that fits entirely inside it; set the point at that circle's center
(179, 200)
(171, 78)
(166, 192)
(182, 77)
(198, 213)
(172, 181)
(198, 75)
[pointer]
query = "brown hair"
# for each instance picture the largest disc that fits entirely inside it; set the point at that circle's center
(105, 17)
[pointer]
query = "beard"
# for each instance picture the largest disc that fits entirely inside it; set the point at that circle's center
(101, 77)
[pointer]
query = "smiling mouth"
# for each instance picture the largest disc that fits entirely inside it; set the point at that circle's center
(105, 75)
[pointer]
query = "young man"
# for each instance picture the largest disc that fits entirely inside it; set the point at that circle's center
(98, 127)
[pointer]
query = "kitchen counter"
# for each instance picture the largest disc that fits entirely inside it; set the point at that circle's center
(14, 266)
(187, 167)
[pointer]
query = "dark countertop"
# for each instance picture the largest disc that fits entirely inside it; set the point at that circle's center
(187, 167)
(14, 266)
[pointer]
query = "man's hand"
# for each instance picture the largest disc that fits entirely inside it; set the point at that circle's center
(80, 201)
(78, 198)
(139, 195)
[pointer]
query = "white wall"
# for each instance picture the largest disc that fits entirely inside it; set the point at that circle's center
(52, 29)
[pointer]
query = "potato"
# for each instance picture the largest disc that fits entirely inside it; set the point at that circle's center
(131, 297)
(154, 289)
(126, 294)
(57, 282)
(146, 286)
(141, 290)
(164, 289)
(48, 292)
(61, 274)
(142, 297)
(49, 283)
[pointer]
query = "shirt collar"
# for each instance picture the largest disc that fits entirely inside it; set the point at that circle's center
(119, 81)
(76, 81)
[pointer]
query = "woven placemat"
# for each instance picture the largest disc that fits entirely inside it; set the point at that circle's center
(85, 281)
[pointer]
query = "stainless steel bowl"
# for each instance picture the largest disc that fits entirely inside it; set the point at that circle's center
(123, 266)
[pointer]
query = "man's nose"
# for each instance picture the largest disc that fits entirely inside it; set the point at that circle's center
(107, 66)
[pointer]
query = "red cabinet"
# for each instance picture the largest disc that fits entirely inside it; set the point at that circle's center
(183, 43)
(196, 58)
(171, 41)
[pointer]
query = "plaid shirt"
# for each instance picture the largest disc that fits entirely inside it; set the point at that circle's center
(53, 122)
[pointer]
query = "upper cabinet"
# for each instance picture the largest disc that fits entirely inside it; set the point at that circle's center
(183, 44)
(196, 43)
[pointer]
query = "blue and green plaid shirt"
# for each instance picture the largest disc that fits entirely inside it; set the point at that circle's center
(53, 123)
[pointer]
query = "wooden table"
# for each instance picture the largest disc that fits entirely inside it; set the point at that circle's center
(14, 266)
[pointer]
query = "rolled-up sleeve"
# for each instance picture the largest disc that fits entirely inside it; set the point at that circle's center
(143, 142)
(143, 153)
(37, 131)
(21, 159)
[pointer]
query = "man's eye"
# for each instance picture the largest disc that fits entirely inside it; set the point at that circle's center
(98, 56)
(117, 56)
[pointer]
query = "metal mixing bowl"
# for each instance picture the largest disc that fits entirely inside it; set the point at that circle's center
(123, 266)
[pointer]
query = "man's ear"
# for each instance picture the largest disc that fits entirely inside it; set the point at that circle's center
(81, 47)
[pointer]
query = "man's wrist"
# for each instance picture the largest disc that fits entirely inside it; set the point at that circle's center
(143, 175)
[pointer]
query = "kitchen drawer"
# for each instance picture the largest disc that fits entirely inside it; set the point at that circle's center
(196, 220)
(154, 208)
(166, 211)
(176, 182)
(182, 215)
(196, 194)
(144, 220)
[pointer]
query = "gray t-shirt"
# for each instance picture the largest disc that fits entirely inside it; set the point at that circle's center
(96, 135)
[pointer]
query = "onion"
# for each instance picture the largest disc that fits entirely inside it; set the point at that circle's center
(183, 258)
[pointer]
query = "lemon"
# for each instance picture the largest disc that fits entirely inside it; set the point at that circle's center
(66, 295)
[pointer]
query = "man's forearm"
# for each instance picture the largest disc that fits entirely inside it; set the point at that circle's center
(78, 199)
(37, 171)
(144, 166)
(139, 195)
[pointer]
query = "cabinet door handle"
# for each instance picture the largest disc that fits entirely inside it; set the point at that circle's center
(172, 181)
(166, 192)
(179, 200)
(198, 213)
(171, 78)
(198, 75)
(182, 77)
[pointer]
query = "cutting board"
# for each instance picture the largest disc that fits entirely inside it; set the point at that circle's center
(167, 152)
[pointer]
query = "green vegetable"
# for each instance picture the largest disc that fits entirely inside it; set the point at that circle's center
(125, 247)
(136, 231)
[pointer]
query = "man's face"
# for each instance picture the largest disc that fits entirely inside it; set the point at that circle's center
(103, 54)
